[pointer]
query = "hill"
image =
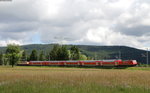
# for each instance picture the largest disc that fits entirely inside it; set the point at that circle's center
(96, 52)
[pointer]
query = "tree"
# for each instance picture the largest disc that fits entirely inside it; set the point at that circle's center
(34, 55)
(41, 56)
(28, 58)
(5, 59)
(24, 56)
(59, 53)
(83, 57)
(1, 59)
(47, 57)
(13, 54)
(75, 53)
(12, 48)
(54, 52)
(14, 58)
(66, 53)
(63, 53)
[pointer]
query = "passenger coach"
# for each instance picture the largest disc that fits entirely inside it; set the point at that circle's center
(90, 63)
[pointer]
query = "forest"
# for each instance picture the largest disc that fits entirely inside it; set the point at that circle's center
(48, 52)
(13, 54)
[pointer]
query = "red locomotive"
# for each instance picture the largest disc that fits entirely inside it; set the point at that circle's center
(89, 63)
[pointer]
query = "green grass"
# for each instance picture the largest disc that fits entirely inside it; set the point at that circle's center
(85, 88)
(73, 80)
(139, 68)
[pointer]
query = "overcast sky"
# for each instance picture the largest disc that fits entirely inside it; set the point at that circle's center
(88, 22)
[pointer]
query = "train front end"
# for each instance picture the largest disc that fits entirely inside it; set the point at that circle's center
(134, 62)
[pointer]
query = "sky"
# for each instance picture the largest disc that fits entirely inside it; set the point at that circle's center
(84, 22)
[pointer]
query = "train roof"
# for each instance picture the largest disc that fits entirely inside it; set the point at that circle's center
(111, 60)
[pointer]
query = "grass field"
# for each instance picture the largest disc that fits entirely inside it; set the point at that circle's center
(73, 80)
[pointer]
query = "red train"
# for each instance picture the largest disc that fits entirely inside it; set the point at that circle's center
(89, 63)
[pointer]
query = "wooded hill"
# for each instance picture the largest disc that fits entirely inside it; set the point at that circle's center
(95, 52)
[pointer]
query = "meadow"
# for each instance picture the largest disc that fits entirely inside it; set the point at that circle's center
(73, 80)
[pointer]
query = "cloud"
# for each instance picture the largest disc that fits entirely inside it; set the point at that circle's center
(99, 22)
(5, 43)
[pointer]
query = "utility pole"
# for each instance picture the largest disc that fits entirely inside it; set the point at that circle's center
(49, 57)
(147, 57)
(119, 52)
(95, 56)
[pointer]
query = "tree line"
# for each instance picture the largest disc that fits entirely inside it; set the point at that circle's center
(14, 54)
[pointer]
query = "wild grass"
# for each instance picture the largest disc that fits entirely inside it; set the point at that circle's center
(139, 68)
(73, 80)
